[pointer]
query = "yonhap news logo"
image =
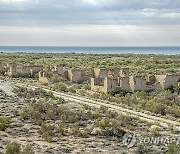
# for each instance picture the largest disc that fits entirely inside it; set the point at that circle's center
(130, 140)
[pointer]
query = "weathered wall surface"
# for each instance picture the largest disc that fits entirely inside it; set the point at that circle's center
(124, 72)
(171, 80)
(167, 81)
(43, 77)
(96, 86)
(124, 83)
(35, 69)
(75, 75)
(110, 84)
(137, 83)
(60, 69)
(100, 73)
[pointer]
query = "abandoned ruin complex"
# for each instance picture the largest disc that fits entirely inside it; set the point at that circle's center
(101, 80)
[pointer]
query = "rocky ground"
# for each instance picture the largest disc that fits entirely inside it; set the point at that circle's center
(26, 132)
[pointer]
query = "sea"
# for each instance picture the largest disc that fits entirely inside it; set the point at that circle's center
(92, 50)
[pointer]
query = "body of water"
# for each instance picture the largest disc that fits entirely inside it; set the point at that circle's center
(93, 50)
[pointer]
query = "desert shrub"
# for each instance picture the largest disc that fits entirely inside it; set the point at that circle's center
(24, 115)
(36, 75)
(86, 107)
(103, 109)
(82, 133)
(173, 148)
(61, 129)
(13, 148)
(3, 126)
(71, 90)
(27, 150)
(154, 131)
(47, 137)
(43, 110)
(86, 87)
(4, 122)
(60, 87)
(110, 127)
(30, 93)
(16, 148)
(48, 131)
(141, 149)
(177, 89)
(55, 79)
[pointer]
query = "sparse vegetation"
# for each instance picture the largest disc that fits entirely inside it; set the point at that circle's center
(55, 119)
(16, 148)
(173, 148)
(4, 123)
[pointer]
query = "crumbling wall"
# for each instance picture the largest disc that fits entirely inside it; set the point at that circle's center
(100, 73)
(35, 69)
(151, 80)
(75, 75)
(110, 84)
(124, 72)
(97, 85)
(60, 69)
(44, 77)
(124, 83)
(137, 83)
(167, 80)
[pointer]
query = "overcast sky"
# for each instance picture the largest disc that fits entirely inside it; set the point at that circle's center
(90, 22)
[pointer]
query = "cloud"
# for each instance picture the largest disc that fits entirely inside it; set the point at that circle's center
(93, 21)
(58, 12)
(91, 35)
(98, 2)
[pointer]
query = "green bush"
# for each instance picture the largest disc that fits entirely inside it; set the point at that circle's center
(55, 79)
(83, 134)
(13, 148)
(60, 87)
(27, 150)
(47, 137)
(4, 123)
(24, 115)
(3, 126)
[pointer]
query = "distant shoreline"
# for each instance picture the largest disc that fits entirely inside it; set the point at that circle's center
(92, 50)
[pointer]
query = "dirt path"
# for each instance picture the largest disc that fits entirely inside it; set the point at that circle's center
(79, 99)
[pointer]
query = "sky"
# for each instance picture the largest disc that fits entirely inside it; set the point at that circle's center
(89, 22)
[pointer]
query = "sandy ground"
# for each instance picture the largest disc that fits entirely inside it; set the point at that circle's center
(7, 87)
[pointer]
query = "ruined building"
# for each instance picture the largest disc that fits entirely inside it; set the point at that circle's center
(101, 80)
(15, 70)
(72, 75)
(105, 80)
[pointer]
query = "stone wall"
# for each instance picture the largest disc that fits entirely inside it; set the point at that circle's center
(137, 83)
(75, 75)
(60, 69)
(97, 85)
(167, 80)
(103, 73)
(22, 71)
(100, 73)
(124, 83)
(104, 85)
(124, 72)
(44, 77)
